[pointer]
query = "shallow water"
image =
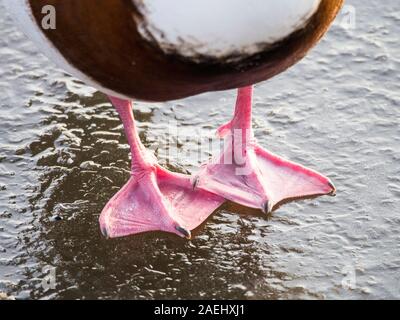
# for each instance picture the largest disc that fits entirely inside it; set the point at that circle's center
(337, 111)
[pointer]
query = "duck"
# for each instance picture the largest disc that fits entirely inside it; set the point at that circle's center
(163, 50)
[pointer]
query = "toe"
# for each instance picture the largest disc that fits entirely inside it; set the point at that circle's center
(267, 207)
(184, 232)
(333, 192)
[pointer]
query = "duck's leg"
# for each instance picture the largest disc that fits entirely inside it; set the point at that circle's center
(249, 175)
(154, 199)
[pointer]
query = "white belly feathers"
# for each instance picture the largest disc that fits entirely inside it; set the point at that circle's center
(221, 28)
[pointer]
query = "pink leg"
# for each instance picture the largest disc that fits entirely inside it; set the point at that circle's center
(251, 176)
(154, 199)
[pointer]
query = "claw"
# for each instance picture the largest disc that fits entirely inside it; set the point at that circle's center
(104, 232)
(186, 233)
(267, 207)
(195, 182)
(333, 192)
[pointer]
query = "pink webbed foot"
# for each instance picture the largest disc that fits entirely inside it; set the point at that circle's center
(154, 199)
(247, 174)
(157, 200)
(264, 181)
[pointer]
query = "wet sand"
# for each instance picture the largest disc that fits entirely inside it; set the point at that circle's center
(338, 111)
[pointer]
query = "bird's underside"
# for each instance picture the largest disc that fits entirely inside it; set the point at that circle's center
(131, 49)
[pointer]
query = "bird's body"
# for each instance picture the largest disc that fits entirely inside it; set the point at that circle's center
(159, 50)
(118, 47)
